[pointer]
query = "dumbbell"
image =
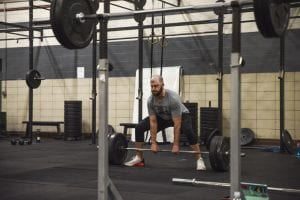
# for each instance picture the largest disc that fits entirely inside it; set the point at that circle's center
(21, 141)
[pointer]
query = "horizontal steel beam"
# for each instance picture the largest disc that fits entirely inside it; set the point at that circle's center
(198, 8)
(136, 27)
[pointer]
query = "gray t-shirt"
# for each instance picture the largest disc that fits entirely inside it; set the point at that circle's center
(168, 107)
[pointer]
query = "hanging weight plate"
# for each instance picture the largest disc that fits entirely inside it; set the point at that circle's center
(247, 136)
(272, 17)
(139, 4)
(223, 157)
(139, 17)
(95, 5)
(33, 79)
(288, 142)
(117, 154)
(69, 31)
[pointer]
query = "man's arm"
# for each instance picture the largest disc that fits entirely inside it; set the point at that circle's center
(153, 132)
(177, 128)
(153, 128)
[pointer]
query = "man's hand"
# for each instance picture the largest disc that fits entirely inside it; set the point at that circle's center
(154, 147)
(175, 149)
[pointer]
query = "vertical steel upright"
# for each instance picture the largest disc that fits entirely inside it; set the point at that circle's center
(141, 58)
(30, 106)
(106, 188)
(141, 63)
(102, 72)
(94, 85)
(281, 91)
(235, 149)
(220, 67)
(0, 84)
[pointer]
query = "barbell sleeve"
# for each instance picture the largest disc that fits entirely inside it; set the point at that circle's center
(39, 78)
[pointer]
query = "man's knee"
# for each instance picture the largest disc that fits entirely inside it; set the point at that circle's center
(191, 136)
(139, 129)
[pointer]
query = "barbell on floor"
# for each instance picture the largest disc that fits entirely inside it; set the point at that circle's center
(211, 183)
(218, 152)
(73, 22)
(169, 151)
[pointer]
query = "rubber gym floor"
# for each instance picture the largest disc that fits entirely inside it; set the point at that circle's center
(67, 170)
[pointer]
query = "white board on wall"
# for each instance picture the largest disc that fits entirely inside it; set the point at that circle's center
(172, 76)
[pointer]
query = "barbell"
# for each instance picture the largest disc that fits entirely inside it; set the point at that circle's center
(218, 153)
(243, 185)
(73, 22)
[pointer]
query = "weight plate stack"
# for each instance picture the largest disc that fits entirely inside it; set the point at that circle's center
(209, 121)
(2, 122)
(73, 120)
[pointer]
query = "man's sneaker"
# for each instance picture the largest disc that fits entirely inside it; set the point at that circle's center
(200, 164)
(135, 162)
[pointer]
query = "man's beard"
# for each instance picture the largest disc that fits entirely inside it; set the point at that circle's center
(158, 92)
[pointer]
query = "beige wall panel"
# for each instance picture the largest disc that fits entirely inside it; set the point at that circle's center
(248, 96)
(198, 87)
(227, 84)
(266, 133)
(247, 114)
(248, 78)
(297, 95)
(196, 79)
(226, 96)
(288, 105)
(266, 105)
(248, 87)
(249, 123)
(266, 77)
(289, 76)
(266, 114)
(266, 96)
(248, 105)
(289, 86)
(266, 124)
(211, 96)
(266, 86)
(297, 76)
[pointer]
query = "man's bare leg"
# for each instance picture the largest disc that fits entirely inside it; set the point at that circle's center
(139, 145)
(196, 148)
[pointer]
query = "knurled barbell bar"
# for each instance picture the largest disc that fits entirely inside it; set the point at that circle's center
(33, 79)
(218, 153)
(169, 151)
(73, 22)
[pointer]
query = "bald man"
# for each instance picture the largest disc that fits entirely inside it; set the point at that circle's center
(165, 110)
